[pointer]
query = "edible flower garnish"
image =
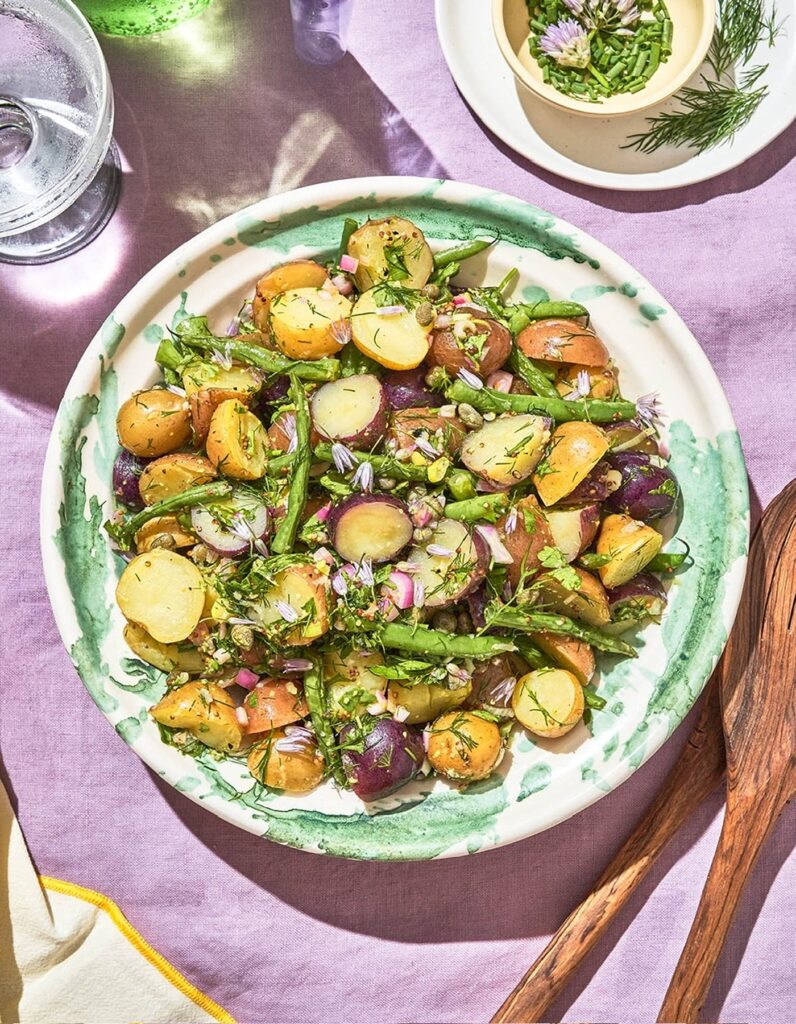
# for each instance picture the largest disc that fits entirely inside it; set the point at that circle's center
(649, 409)
(470, 379)
(567, 43)
(343, 458)
(363, 478)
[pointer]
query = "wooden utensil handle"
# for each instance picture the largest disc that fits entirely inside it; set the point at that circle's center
(696, 774)
(739, 844)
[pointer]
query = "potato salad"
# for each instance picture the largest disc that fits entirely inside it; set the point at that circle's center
(380, 520)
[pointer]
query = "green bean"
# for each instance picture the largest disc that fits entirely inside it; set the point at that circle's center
(666, 37)
(592, 699)
(530, 652)
(547, 622)
(533, 377)
(285, 536)
(279, 462)
(460, 483)
(486, 506)
(349, 227)
(124, 532)
(508, 281)
(488, 400)
(422, 640)
(335, 485)
(666, 561)
(525, 313)
(168, 355)
(318, 704)
(383, 465)
(269, 362)
(461, 252)
(353, 362)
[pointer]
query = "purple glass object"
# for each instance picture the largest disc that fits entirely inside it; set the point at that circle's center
(320, 28)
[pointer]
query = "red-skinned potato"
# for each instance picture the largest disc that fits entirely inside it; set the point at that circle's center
(173, 474)
(529, 536)
(274, 703)
(444, 433)
(153, 423)
(562, 341)
(374, 526)
(280, 760)
(279, 433)
(296, 274)
(588, 602)
(574, 655)
(603, 381)
(574, 529)
(450, 564)
(352, 410)
(494, 681)
(204, 403)
(474, 342)
(575, 449)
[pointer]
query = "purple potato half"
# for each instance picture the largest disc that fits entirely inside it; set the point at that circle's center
(602, 480)
(641, 598)
(373, 526)
(407, 389)
(352, 410)
(387, 757)
(646, 491)
(126, 472)
(273, 392)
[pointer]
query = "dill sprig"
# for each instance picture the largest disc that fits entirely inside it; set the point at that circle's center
(713, 114)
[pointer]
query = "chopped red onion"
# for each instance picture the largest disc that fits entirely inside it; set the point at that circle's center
(323, 512)
(460, 300)
(499, 552)
(342, 284)
(390, 310)
(500, 380)
(349, 263)
(398, 589)
(247, 679)
(242, 717)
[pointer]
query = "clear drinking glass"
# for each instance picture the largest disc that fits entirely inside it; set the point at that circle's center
(59, 170)
(138, 17)
(320, 28)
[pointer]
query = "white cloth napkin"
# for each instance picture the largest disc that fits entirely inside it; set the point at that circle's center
(68, 954)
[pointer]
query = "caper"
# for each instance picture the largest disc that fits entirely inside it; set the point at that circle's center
(424, 314)
(469, 416)
(163, 540)
(385, 483)
(242, 636)
(464, 623)
(422, 533)
(431, 291)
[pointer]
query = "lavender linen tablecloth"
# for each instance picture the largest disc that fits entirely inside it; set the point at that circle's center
(209, 118)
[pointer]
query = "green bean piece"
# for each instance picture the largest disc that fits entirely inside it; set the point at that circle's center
(641, 61)
(461, 252)
(592, 409)
(349, 227)
(599, 76)
(666, 561)
(335, 485)
(318, 704)
(508, 281)
(383, 465)
(285, 536)
(533, 377)
(422, 640)
(461, 484)
(168, 355)
(264, 359)
(353, 362)
(485, 507)
(279, 463)
(547, 622)
(529, 652)
(592, 699)
(525, 313)
(124, 532)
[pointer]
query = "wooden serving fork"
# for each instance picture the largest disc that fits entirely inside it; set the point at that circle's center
(696, 773)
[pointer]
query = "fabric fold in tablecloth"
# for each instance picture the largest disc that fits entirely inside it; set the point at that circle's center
(68, 954)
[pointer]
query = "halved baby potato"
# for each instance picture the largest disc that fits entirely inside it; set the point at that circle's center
(549, 702)
(164, 593)
(309, 323)
(575, 449)
(350, 684)
(281, 763)
(173, 474)
(629, 544)
(199, 375)
(603, 381)
(394, 340)
(424, 701)
(284, 278)
(205, 710)
(562, 341)
(298, 594)
(444, 433)
(352, 410)
(587, 603)
(463, 746)
(166, 657)
(373, 526)
(575, 656)
(163, 531)
(508, 449)
(474, 341)
(529, 534)
(152, 423)
(205, 402)
(392, 249)
(450, 564)
(237, 442)
(274, 703)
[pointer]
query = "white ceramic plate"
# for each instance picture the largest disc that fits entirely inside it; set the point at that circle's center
(539, 783)
(588, 149)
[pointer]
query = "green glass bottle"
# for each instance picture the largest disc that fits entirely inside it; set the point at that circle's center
(138, 17)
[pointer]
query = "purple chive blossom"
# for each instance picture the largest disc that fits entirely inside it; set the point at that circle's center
(287, 611)
(363, 478)
(425, 446)
(576, 6)
(567, 43)
(649, 409)
(418, 594)
(470, 379)
(289, 430)
(341, 331)
(175, 390)
(339, 585)
(511, 521)
(240, 621)
(342, 458)
(582, 386)
(364, 572)
(438, 549)
(297, 740)
(222, 358)
(261, 547)
(459, 673)
(502, 693)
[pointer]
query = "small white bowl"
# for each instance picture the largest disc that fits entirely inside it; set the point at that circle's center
(694, 22)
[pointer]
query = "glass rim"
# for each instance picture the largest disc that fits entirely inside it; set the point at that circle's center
(61, 194)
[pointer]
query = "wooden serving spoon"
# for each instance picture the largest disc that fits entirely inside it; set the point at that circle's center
(758, 708)
(696, 773)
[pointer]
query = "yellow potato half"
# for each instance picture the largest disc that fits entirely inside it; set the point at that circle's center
(309, 323)
(164, 593)
(206, 710)
(396, 340)
(237, 442)
(548, 702)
